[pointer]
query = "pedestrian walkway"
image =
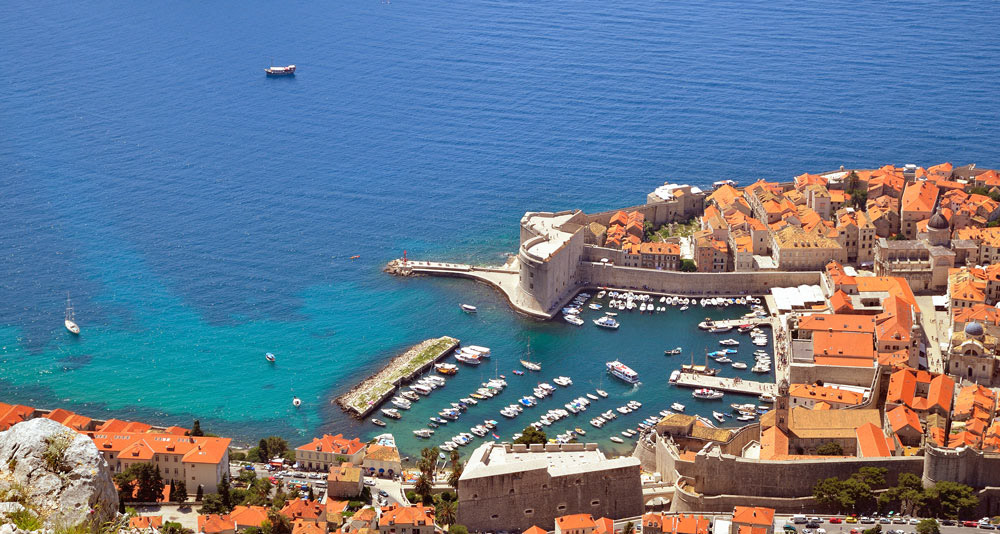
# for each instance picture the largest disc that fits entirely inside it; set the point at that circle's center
(732, 385)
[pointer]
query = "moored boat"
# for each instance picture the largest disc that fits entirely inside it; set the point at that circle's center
(607, 322)
(531, 366)
(673, 351)
(378, 422)
(621, 371)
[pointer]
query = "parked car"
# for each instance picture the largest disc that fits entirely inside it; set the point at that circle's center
(851, 519)
(815, 519)
(899, 520)
(854, 531)
(972, 524)
(884, 520)
(865, 520)
(947, 522)
(835, 521)
(799, 519)
(369, 482)
(986, 525)
(915, 521)
(383, 493)
(812, 524)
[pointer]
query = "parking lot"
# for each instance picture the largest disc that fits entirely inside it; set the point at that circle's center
(845, 525)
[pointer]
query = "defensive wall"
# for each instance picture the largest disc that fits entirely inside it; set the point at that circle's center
(597, 274)
(965, 465)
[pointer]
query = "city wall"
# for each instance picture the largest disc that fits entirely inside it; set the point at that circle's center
(596, 274)
(802, 373)
(964, 465)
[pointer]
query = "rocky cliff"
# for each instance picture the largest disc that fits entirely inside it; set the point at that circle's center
(53, 477)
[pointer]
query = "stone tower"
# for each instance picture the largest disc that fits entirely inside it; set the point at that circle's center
(781, 407)
(938, 231)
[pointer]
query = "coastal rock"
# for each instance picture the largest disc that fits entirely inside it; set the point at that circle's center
(61, 473)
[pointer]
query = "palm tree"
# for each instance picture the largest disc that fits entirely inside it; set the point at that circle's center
(456, 469)
(629, 528)
(446, 512)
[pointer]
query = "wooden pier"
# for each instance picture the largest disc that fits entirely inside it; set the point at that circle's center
(731, 385)
(367, 396)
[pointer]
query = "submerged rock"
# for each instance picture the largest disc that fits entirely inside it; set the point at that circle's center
(60, 473)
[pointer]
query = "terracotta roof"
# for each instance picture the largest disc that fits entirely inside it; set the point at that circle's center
(871, 441)
(605, 525)
(333, 445)
(407, 515)
(382, 453)
(12, 414)
(901, 417)
(142, 446)
(345, 472)
(919, 197)
(146, 521)
(301, 526)
(335, 507)
(248, 516)
(214, 523)
(753, 515)
(575, 521)
(825, 393)
(303, 509)
(806, 423)
(850, 349)
(660, 248)
(535, 530)
(903, 390)
(840, 322)
(841, 303)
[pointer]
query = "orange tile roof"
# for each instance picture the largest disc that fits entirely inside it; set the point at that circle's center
(215, 523)
(407, 515)
(303, 509)
(841, 303)
(335, 507)
(971, 397)
(901, 417)
(896, 320)
(618, 219)
(753, 515)
(575, 521)
(660, 248)
(919, 197)
(903, 387)
(825, 393)
(871, 441)
(248, 516)
(177, 430)
(142, 446)
(301, 526)
(382, 453)
(893, 285)
(137, 427)
(690, 524)
(605, 525)
(964, 439)
(333, 445)
(852, 349)
(14, 414)
(535, 530)
(894, 359)
(146, 521)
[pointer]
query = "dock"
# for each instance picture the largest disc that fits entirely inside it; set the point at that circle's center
(367, 396)
(730, 385)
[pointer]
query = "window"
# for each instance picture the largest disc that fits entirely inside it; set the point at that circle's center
(595, 502)
(561, 508)
(529, 512)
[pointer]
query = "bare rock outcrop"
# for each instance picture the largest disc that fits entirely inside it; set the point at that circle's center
(59, 472)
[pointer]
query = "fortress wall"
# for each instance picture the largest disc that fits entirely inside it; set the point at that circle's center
(964, 465)
(675, 282)
(722, 475)
(852, 376)
(693, 502)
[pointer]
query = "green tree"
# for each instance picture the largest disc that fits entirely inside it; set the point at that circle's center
(247, 477)
(688, 265)
(908, 495)
(196, 428)
(877, 529)
(446, 512)
(142, 480)
(200, 493)
(277, 446)
(237, 456)
(227, 499)
(171, 527)
(532, 435)
(126, 487)
(457, 467)
(280, 524)
(458, 529)
(263, 455)
(628, 528)
(212, 504)
(831, 492)
(830, 448)
(180, 488)
(852, 180)
(951, 499)
(928, 526)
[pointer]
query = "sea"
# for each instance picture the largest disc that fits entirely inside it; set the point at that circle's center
(200, 214)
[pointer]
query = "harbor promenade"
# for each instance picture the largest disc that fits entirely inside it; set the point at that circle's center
(731, 385)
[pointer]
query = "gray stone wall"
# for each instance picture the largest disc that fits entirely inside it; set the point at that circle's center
(964, 465)
(801, 373)
(518, 500)
(597, 274)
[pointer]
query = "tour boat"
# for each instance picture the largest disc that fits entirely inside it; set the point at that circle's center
(446, 368)
(720, 329)
(400, 402)
(746, 417)
(468, 308)
(699, 369)
(616, 439)
(423, 433)
(622, 371)
(707, 393)
(607, 322)
(378, 422)
(421, 389)
(673, 351)
(288, 70)
(466, 359)
(70, 321)
(296, 402)
(677, 407)
(531, 366)
(602, 393)
(573, 320)
(269, 357)
(759, 368)
(391, 412)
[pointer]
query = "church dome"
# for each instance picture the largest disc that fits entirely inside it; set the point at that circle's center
(974, 329)
(938, 222)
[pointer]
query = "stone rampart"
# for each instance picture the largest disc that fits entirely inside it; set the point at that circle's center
(963, 465)
(596, 274)
(803, 373)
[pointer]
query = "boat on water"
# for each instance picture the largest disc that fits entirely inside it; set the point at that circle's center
(468, 308)
(518, 372)
(720, 329)
(446, 368)
(623, 372)
(719, 417)
(677, 407)
(602, 393)
(616, 439)
(531, 366)
(739, 365)
(676, 374)
(378, 422)
(707, 393)
(401, 403)
(275, 70)
(685, 308)
(766, 397)
(699, 369)
(423, 433)
(70, 321)
(673, 351)
(607, 322)
(296, 402)
(391, 413)
(591, 396)
(723, 359)
(563, 381)
(729, 342)
(573, 320)
(269, 357)
(467, 359)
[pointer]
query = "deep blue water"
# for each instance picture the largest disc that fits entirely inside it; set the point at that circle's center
(201, 214)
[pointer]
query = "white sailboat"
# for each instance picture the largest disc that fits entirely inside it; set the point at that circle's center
(70, 321)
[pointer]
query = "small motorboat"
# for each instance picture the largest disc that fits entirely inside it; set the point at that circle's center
(607, 322)
(518, 372)
(573, 320)
(531, 366)
(580, 431)
(602, 393)
(591, 396)
(391, 413)
(296, 402)
(739, 365)
(707, 393)
(672, 352)
(378, 422)
(70, 321)
(288, 70)
(269, 357)
(616, 439)
(677, 407)
(685, 308)
(719, 417)
(766, 397)
(423, 433)
(468, 308)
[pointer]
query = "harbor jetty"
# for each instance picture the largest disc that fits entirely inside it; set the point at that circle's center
(367, 396)
(731, 385)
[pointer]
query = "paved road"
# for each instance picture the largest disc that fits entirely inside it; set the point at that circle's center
(937, 329)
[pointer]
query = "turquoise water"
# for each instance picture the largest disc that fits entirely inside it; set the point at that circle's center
(201, 214)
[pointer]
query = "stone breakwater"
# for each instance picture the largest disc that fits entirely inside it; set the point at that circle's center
(367, 396)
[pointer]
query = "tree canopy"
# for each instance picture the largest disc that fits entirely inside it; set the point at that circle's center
(532, 435)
